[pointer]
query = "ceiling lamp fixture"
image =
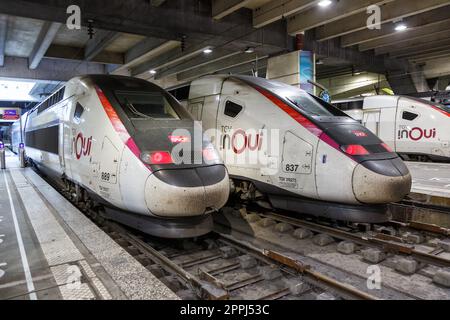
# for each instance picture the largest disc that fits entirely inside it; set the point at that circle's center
(152, 71)
(401, 27)
(249, 50)
(325, 3)
(207, 51)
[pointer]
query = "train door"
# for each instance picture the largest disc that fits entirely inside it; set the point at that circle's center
(67, 138)
(242, 135)
(195, 108)
(108, 170)
(387, 126)
(297, 162)
(371, 120)
(410, 124)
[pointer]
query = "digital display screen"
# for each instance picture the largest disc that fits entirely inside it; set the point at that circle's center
(10, 113)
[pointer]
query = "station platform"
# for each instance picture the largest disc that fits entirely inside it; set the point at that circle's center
(430, 178)
(50, 250)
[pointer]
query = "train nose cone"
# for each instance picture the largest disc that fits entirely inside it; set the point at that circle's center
(187, 192)
(381, 181)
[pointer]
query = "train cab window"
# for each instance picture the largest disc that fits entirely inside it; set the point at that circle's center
(78, 112)
(314, 106)
(232, 109)
(146, 105)
(409, 115)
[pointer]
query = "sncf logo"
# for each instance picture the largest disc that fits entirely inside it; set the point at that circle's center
(82, 146)
(416, 134)
(359, 133)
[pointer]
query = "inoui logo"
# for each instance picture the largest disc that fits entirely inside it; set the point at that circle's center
(74, 20)
(374, 20)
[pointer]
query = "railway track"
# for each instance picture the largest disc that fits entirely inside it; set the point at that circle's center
(406, 253)
(223, 265)
(383, 241)
(219, 267)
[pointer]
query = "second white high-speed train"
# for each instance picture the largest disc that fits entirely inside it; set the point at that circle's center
(297, 151)
(417, 129)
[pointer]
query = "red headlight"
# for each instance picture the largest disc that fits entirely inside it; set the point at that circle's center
(355, 150)
(157, 157)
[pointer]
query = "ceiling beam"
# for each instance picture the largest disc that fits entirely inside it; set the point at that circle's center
(170, 57)
(407, 35)
(277, 9)
(222, 8)
(318, 16)
(396, 46)
(143, 51)
(213, 67)
(194, 62)
(416, 22)
(366, 61)
(261, 65)
(390, 12)
(3, 32)
(75, 53)
(157, 3)
(48, 69)
(170, 21)
(101, 40)
(43, 42)
(421, 49)
(430, 56)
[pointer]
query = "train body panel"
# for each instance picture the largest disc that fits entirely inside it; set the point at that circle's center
(113, 137)
(410, 126)
(293, 146)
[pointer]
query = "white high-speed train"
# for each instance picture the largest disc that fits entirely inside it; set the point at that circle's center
(417, 129)
(301, 153)
(110, 140)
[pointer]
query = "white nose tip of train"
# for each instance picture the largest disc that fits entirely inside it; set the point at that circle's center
(190, 192)
(381, 181)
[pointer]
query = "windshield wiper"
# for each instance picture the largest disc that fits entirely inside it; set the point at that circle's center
(298, 106)
(134, 111)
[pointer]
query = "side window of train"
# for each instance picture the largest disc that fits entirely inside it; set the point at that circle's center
(232, 109)
(78, 112)
(410, 116)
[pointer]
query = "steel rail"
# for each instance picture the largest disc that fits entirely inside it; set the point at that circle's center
(302, 269)
(367, 241)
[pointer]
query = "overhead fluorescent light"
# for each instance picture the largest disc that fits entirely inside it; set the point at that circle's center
(249, 50)
(153, 71)
(401, 27)
(207, 51)
(325, 3)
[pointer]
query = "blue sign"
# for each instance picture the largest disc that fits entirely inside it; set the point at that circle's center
(10, 113)
(306, 71)
(325, 96)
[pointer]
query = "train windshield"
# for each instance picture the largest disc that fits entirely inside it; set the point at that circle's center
(146, 105)
(433, 104)
(314, 106)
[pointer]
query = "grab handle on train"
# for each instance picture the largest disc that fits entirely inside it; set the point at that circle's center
(22, 155)
(2, 156)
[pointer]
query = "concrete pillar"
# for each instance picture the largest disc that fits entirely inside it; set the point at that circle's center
(294, 68)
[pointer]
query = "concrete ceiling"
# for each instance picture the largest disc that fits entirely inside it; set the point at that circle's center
(134, 37)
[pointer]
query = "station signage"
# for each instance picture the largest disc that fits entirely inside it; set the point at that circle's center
(10, 114)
